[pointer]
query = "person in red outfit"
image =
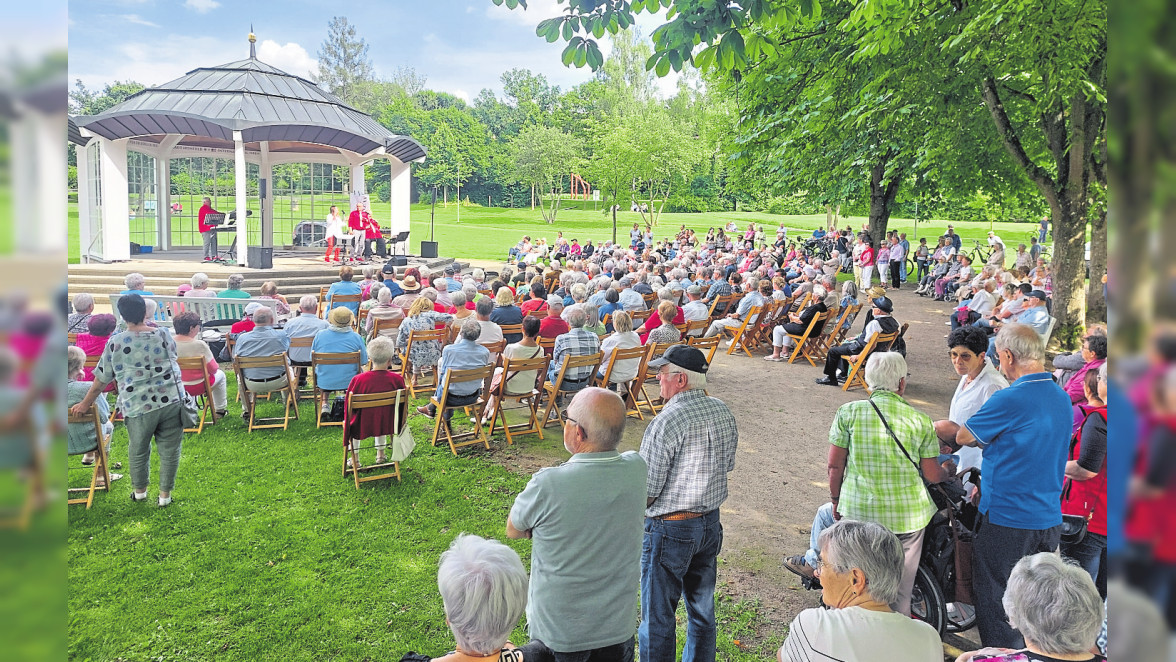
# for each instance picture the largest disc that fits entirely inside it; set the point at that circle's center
(370, 422)
(358, 222)
(246, 323)
(207, 232)
(374, 237)
(553, 325)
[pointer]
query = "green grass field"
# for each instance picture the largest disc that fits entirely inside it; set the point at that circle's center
(488, 232)
(268, 553)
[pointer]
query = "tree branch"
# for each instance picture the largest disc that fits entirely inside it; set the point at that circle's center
(1012, 142)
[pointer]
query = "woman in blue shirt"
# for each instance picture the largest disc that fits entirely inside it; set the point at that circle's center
(337, 338)
(505, 312)
(345, 287)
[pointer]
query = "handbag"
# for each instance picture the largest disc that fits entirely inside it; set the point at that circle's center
(189, 410)
(1073, 526)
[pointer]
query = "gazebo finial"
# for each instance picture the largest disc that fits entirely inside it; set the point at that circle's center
(252, 43)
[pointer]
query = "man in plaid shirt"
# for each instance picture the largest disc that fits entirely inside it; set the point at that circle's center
(690, 449)
(578, 341)
(872, 478)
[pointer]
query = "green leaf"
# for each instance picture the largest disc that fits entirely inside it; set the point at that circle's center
(548, 29)
(663, 67)
(568, 55)
(581, 56)
(567, 30)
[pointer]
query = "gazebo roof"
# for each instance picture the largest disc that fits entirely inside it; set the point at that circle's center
(260, 101)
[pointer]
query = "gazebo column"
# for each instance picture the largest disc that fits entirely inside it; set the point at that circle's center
(116, 208)
(242, 201)
(400, 194)
(265, 173)
(358, 187)
(163, 190)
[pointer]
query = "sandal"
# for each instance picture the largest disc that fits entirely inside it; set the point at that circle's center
(102, 483)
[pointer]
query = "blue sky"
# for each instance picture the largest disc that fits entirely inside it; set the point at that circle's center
(461, 46)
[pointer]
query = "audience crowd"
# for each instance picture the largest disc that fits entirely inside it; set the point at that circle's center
(1038, 439)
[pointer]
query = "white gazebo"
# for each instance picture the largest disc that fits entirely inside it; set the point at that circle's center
(246, 110)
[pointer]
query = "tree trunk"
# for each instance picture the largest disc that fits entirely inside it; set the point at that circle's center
(882, 193)
(1069, 271)
(1096, 303)
(828, 216)
(614, 215)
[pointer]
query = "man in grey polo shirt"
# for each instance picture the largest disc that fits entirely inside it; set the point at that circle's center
(585, 518)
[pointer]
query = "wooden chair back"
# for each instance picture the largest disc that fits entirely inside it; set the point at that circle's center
(320, 396)
(243, 363)
(406, 368)
(511, 329)
(511, 368)
(396, 400)
(805, 341)
(204, 393)
(707, 346)
(341, 299)
(71, 338)
(101, 462)
(548, 344)
(571, 362)
(720, 305)
(639, 316)
(384, 326)
(477, 435)
(740, 338)
(857, 370)
(322, 300)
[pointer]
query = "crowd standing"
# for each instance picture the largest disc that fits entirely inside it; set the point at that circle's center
(1039, 438)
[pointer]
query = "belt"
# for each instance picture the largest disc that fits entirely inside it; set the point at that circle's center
(678, 516)
(265, 379)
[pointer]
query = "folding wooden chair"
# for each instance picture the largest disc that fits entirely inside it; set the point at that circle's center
(839, 333)
(555, 389)
(322, 300)
(340, 299)
(382, 324)
(320, 396)
(242, 363)
(799, 303)
(650, 301)
(739, 335)
(71, 338)
(511, 329)
(538, 312)
(475, 436)
(707, 346)
(644, 378)
(805, 342)
(720, 305)
(202, 391)
(548, 345)
(695, 328)
(857, 370)
(836, 318)
(639, 316)
(398, 402)
(551, 280)
(360, 322)
(406, 363)
(305, 342)
(510, 368)
(620, 355)
(101, 461)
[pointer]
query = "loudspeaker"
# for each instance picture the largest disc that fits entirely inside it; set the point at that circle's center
(398, 261)
(136, 249)
(260, 257)
(428, 249)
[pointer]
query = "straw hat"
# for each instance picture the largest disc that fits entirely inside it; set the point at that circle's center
(877, 291)
(410, 284)
(340, 316)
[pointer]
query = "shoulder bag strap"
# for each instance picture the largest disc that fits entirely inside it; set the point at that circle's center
(176, 374)
(895, 438)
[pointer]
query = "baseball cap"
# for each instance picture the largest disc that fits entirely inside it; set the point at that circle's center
(683, 356)
(389, 268)
(694, 289)
(1039, 294)
(252, 307)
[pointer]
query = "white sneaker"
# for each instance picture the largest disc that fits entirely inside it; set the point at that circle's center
(164, 501)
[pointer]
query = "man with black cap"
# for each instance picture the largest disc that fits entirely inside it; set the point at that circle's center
(1034, 315)
(690, 449)
(882, 322)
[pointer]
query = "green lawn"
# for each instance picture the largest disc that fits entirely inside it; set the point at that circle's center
(488, 232)
(268, 554)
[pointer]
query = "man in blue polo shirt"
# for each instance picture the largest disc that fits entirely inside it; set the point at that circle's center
(1024, 431)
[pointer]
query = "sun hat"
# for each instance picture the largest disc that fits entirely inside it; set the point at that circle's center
(340, 316)
(410, 284)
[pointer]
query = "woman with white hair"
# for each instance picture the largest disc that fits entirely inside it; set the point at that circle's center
(483, 587)
(1055, 606)
(83, 305)
(860, 569)
(135, 283)
(383, 310)
(199, 283)
(365, 423)
(234, 291)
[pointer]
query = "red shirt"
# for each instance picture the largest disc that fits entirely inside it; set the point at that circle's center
(204, 211)
(372, 228)
(358, 220)
(532, 304)
(653, 321)
(553, 327)
(242, 326)
(372, 421)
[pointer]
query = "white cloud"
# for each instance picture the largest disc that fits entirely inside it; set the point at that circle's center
(201, 6)
(461, 94)
(537, 10)
(155, 62)
(290, 57)
(138, 20)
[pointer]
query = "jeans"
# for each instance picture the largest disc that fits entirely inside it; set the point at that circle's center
(822, 520)
(678, 559)
(995, 551)
(922, 269)
(1090, 553)
(165, 426)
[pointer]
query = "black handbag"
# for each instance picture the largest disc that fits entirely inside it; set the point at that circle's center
(1073, 526)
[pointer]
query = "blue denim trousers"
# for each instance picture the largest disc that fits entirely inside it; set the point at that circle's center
(678, 559)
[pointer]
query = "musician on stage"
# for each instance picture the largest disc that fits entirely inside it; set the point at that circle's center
(207, 232)
(358, 222)
(374, 236)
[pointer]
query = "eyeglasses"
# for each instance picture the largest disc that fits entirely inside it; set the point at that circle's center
(666, 373)
(820, 567)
